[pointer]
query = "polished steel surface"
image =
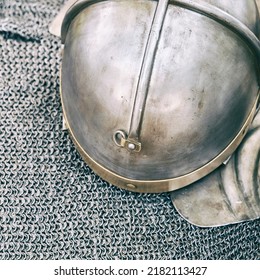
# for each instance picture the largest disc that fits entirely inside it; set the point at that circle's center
(231, 194)
(157, 94)
(243, 14)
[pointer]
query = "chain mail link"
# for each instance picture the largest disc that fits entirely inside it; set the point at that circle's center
(52, 206)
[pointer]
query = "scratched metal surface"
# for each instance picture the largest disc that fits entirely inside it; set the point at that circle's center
(52, 206)
(191, 111)
(230, 194)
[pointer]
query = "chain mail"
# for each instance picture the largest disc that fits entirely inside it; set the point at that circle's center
(52, 205)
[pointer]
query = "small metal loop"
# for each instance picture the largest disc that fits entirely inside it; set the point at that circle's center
(64, 123)
(119, 138)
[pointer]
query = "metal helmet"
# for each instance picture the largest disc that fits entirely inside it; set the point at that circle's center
(157, 94)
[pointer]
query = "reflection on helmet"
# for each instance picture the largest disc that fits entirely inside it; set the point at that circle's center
(231, 193)
(157, 94)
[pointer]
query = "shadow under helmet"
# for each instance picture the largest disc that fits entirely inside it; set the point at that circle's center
(157, 94)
